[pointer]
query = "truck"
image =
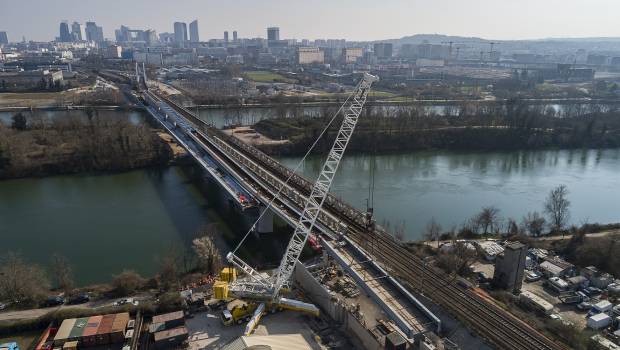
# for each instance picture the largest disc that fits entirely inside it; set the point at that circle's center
(238, 311)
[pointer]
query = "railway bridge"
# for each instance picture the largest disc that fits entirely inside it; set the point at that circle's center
(254, 179)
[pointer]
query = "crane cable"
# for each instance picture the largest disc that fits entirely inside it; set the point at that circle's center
(277, 195)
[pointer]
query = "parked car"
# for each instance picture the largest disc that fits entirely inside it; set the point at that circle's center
(592, 291)
(584, 306)
(79, 299)
(532, 276)
(125, 302)
(54, 301)
(3, 306)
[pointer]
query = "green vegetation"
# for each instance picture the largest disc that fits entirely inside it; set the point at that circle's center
(267, 77)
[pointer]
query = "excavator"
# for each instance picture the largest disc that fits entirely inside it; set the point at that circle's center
(250, 297)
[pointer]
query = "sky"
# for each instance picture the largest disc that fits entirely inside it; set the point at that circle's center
(315, 19)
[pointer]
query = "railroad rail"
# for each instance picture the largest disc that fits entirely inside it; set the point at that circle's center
(488, 320)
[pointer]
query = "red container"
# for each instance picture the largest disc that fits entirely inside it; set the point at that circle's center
(89, 337)
(104, 330)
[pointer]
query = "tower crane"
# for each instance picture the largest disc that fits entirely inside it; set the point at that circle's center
(267, 289)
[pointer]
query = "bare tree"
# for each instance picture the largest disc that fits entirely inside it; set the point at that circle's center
(487, 220)
(534, 223)
(63, 273)
(433, 231)
(557, 207)
(209, 257)
(20, 281)
(127, 282)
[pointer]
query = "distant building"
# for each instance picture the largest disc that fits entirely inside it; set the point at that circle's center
(509, 267)
(235, 36)
(65, 35)
(309, 55)
(166, 38)
(226, 37)
(77, 32)
(94, 32)
(383, 50)
(4, 40)
(26, 80)
(352, 54)
(180, 32)
(234, 59)
(193, 32)
(114, 51)
(273, 33)
(598, 60)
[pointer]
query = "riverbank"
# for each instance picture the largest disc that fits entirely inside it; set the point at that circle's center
(487, 131)
(41, 146)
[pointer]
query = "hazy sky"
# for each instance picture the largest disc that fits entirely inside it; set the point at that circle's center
(349, 19)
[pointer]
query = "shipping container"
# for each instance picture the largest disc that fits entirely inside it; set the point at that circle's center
(117, 335)
(89, 338)
(70, 345)
(63, 332)
(105, 327)
(170, 338)
(171, 320)
(78, 328)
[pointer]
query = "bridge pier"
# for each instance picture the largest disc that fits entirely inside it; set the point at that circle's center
(265, 224)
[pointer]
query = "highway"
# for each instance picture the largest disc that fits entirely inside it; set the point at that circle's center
(266, 177)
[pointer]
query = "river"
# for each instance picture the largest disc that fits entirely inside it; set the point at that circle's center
(452, 187)
(102, 223)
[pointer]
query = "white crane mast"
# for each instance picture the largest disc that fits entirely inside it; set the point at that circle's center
(260, 286)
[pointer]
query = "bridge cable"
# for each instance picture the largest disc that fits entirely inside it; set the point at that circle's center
(277, 195)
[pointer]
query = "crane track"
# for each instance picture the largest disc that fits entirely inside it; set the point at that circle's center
(490, 321)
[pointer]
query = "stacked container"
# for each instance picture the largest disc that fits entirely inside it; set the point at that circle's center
(63, 332)
(78, 329)
(104, 330)
(89, 337)
(117, 335)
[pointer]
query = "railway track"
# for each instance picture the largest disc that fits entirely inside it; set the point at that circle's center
(487, 319)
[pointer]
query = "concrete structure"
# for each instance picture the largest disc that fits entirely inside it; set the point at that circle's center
(4, 39)
(235, 38)
(94, 32)
(194, 37)
(509, 267)
(309, 55)
(226, 37)
(65, 35)
(352, 54)
(180, 32)
(273, 33)
(114, 51)
(77, 32)
(38, 79)
(383, 50)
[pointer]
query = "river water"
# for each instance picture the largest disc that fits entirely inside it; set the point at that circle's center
(102, 223)
(451, 187)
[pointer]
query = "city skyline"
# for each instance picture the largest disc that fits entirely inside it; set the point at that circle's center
(394, 19)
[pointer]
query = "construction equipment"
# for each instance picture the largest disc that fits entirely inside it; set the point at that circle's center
(265, 290)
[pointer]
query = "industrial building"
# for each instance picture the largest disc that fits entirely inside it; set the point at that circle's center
(92, 331)
(509, 267)
(26, 80)
(309, 55)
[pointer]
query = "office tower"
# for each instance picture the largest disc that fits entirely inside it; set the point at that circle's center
(77, 32)
(235, 36)
(180, 32)
(383, 50)
(273, 33)
(193, 31)
(94, 32)
(65, 36)
(4, 40)
(226, 37)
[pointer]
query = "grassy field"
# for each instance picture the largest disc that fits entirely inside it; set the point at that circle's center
(266, 77)
(27, 99)
(24, 340)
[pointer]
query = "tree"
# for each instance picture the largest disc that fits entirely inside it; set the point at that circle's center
(20, 281)
(209, 258)
(169, 270)
(557, 207)
(534, 223)
(63, 273)
(432, 231)
(127, 282)
(487, 219)
(19, 122)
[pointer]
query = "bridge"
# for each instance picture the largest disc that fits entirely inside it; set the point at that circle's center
(260, 179)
